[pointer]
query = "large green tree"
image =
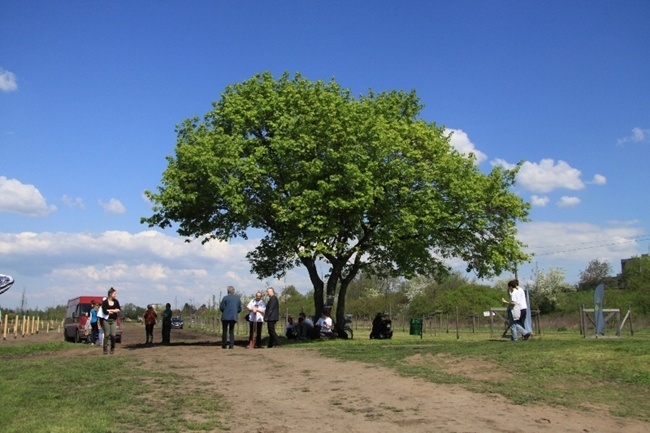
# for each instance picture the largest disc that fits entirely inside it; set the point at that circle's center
(355, 183)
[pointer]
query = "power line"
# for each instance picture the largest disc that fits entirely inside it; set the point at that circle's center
(586, 248)
(640, 238)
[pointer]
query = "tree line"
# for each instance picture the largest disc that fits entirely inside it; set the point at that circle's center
(368, 295)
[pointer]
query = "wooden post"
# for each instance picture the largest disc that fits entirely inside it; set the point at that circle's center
(4, 328)
(491, 324)
(422, 327)
(457, 325)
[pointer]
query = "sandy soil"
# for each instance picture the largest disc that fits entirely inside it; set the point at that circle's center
(296, 390)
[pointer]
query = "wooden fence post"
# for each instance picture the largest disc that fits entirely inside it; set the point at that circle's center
(4, 328)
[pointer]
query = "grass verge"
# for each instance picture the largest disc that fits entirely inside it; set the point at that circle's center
(57, 392)
(557, 369)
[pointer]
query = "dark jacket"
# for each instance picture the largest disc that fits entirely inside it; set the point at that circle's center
(230, 307)
(272, 313)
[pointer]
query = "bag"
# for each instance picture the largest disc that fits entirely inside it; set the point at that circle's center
(516, 313)
(101, 314)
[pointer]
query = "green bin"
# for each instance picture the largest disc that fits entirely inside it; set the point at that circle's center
(416, 326)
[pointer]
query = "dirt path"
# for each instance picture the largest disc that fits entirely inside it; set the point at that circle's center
(296, 390)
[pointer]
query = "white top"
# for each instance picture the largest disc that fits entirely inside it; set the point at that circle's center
(325, 324)
(309, 322)
(260, 307)
(518, 296)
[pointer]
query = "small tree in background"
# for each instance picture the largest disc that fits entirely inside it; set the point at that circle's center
(596, 272)
(545, 287)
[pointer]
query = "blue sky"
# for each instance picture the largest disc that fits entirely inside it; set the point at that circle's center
(90, 93)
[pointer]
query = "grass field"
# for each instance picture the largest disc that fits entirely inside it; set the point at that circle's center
(41, 387)
(559, 368)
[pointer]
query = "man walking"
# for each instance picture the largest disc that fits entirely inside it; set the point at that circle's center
(272, 316)
(230, 307)
(517, 308)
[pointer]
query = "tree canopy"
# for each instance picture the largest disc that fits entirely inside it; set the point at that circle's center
(361, 184)
(636, 273)
(595, 273)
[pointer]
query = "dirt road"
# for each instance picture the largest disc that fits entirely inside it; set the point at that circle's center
(296, 390)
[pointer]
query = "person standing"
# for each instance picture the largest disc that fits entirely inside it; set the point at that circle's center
(149, 322)
(111, 307)
(271, 317)
(230, 307)
(94, 327)
(256, 308)
(167, 324)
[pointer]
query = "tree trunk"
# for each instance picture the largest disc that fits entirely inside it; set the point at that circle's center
(317, 283)
(340, 307)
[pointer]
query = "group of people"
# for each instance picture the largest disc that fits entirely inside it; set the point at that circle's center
(150, 320)
(269, 312)
(104, 314)
(258, 313)
(517, 311)
(306, 329)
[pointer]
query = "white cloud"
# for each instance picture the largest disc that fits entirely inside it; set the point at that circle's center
(8, 82)
(578, 243)
(539, 201)
(545, 176)
(566, 201)
(571, 246)
(114, 206)
(461, 142)
(145, 267)
(77, 202)
(22, 198)
(599, 179)
(638, 136)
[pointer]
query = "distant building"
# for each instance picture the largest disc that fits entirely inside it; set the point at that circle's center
(624, 261)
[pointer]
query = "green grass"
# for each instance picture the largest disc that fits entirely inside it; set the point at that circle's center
(46, 388)
(559, 369)
(91, 394)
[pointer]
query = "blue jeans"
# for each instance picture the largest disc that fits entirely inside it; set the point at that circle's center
(517, 326)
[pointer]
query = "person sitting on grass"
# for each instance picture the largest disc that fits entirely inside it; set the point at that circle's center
(324, 326)
(290, 330)
(305, 327)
